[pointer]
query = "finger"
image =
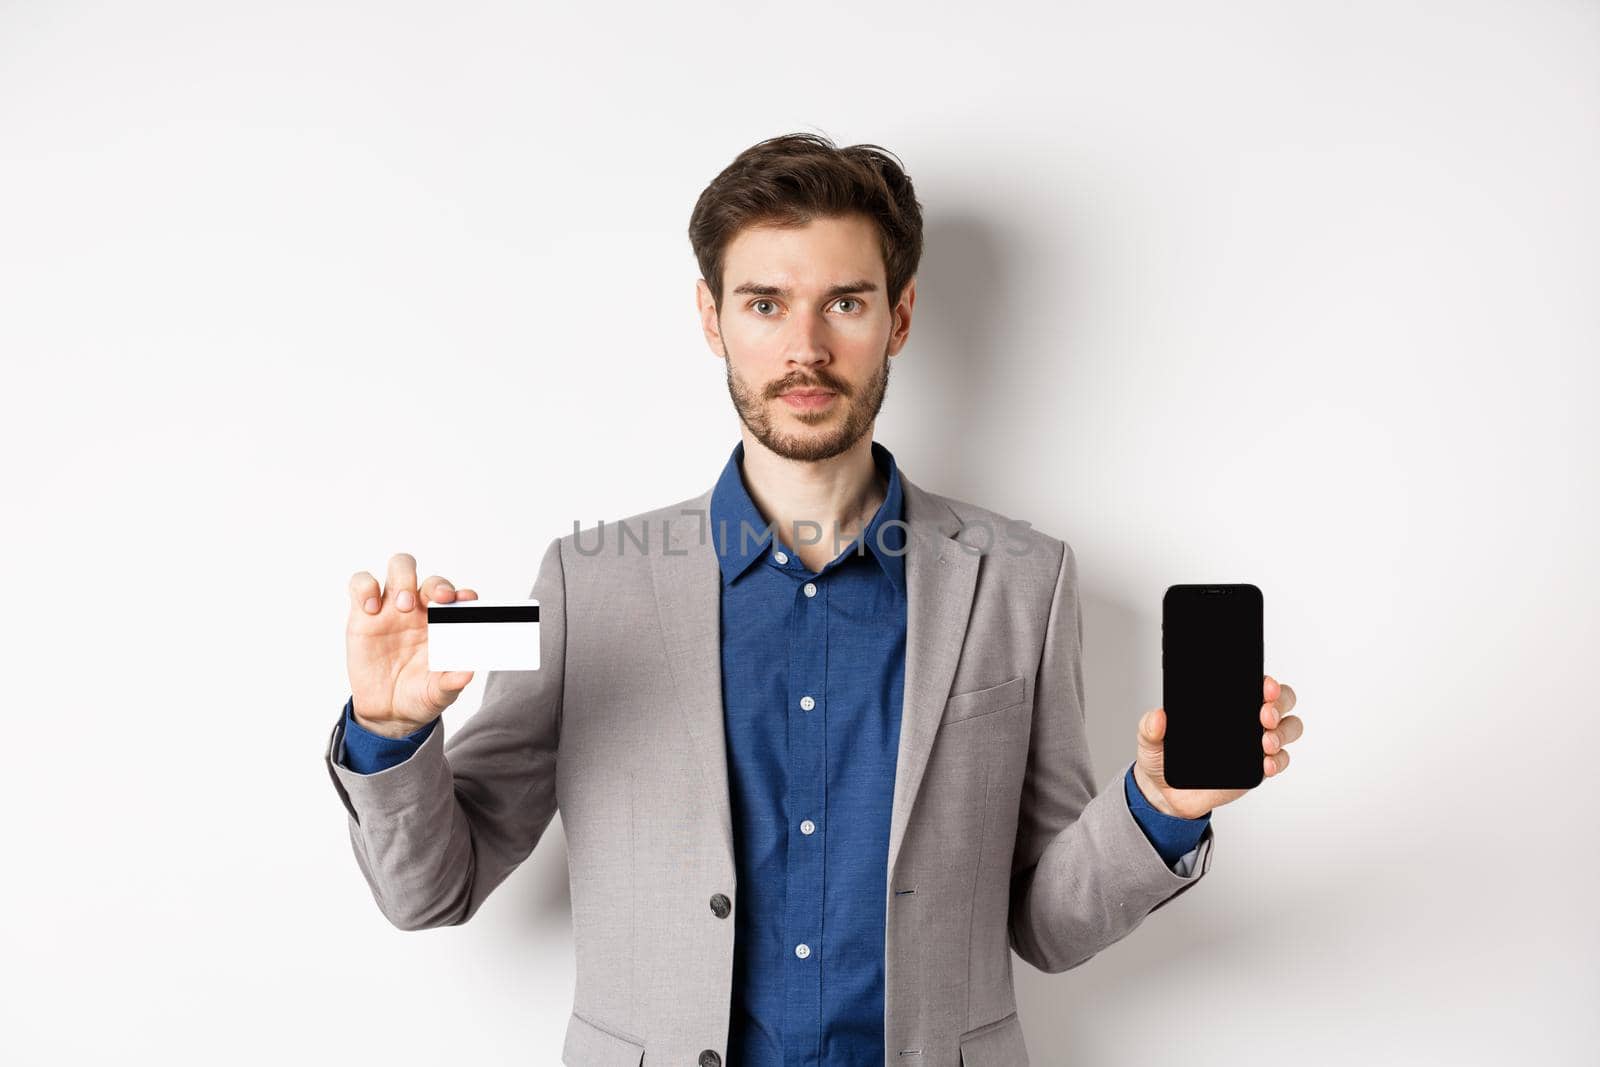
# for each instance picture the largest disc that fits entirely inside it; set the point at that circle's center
(1289, 730)
(1276, 763)
(1269, 688)
(1273, 712)
(437, 590)
(466, 594)
(364, 593)
(400, 587)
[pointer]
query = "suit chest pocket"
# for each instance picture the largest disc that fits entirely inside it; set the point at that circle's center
(980, 702)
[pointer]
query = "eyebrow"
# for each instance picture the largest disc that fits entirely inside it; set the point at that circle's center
(862, 286)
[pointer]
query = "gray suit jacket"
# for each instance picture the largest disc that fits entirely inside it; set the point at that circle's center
(998, 839)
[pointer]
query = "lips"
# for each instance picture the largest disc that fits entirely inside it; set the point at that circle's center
(808, 399)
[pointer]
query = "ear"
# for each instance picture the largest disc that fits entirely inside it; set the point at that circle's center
(708, 317)
(901, 329)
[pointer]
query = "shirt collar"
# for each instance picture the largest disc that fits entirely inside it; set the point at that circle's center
(740, 535)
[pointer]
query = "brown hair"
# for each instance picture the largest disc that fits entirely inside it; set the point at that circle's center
(795, 178)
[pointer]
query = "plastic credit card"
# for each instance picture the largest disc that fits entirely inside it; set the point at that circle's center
(472, 635)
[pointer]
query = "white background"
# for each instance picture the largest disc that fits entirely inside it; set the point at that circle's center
(1299, 294)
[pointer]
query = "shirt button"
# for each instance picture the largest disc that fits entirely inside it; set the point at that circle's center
(709, 1058)
(780, 557)
(811, 589)
(721, 905)
(806, 703)
(808, 827)
(802, 950)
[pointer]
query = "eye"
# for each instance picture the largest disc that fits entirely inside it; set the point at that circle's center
(754, 303)
(849, 300)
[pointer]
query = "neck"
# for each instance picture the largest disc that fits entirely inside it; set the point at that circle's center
(815, 507)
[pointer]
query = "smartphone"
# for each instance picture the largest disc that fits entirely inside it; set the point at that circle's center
(1211, 673)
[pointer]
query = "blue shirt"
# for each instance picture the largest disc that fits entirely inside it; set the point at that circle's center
(812, 689)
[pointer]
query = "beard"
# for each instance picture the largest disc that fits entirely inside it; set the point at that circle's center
(833, 435)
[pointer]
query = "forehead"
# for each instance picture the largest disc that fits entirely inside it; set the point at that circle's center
(813, 256)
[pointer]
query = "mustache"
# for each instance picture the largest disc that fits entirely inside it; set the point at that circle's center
(824, 382)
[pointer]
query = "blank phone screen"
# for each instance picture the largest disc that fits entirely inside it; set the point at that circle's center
(1211, 686)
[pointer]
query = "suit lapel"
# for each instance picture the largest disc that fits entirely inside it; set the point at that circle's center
(688, 584)
(941, 577)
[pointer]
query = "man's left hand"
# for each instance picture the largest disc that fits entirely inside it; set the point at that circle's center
(1280, 730)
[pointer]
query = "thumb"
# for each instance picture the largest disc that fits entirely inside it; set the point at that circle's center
(1152, 729)
(451, 683)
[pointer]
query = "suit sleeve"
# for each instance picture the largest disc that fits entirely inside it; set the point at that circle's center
(367, 753)
(1174, 837)
(1083, 873)
(435, 833)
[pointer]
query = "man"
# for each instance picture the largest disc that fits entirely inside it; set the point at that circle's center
(816, 734)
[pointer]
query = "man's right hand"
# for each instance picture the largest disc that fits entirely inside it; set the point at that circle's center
(386, 647)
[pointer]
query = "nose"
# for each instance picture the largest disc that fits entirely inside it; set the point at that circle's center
(808, 340)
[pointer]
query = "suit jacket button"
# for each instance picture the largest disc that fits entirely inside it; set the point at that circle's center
(709, 1058)
(720, 906)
